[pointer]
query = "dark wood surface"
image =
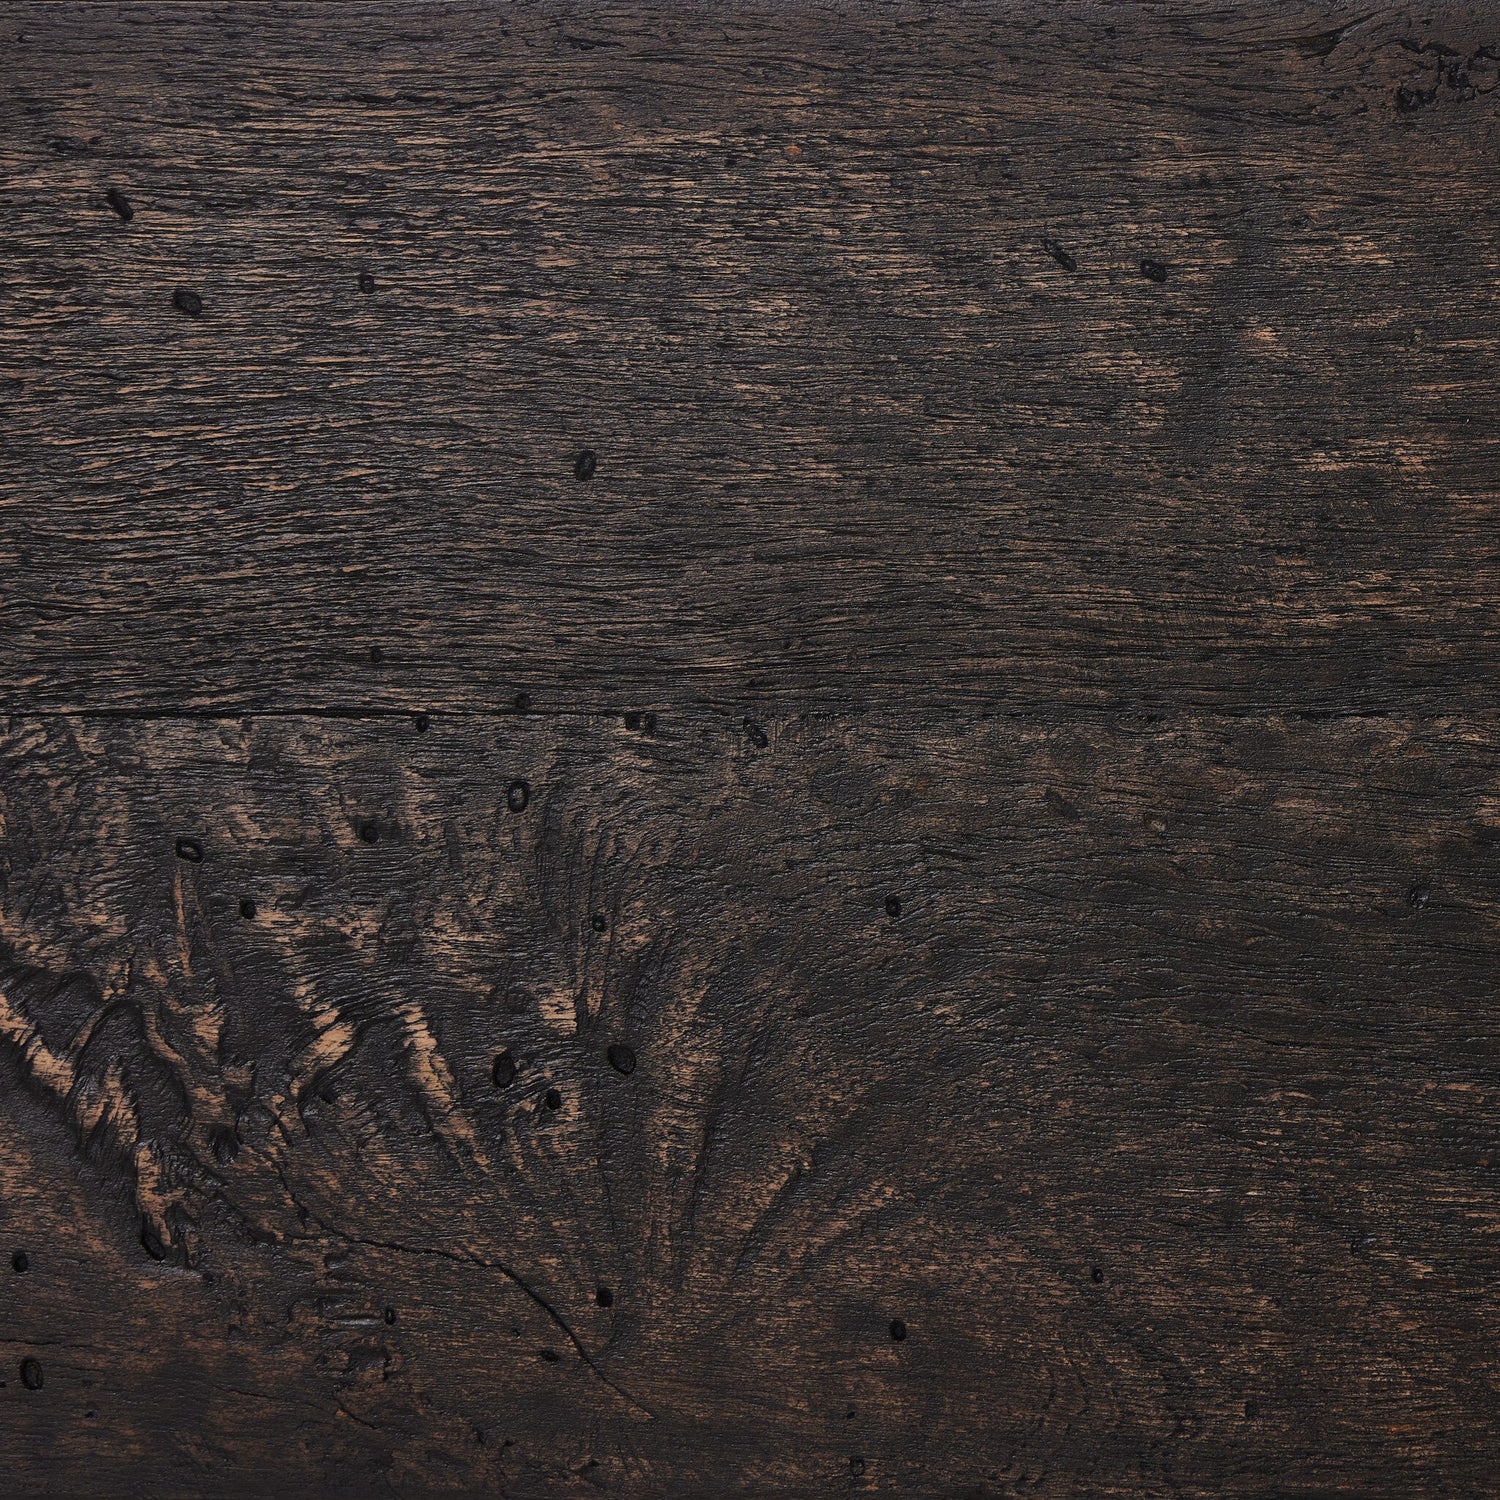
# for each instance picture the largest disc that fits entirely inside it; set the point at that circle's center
(749, 751)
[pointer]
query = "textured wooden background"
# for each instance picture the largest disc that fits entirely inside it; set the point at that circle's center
(750, 751)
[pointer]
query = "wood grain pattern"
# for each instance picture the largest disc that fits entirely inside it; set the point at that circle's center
(1144, 1075)
(786, 273)
(749, 753)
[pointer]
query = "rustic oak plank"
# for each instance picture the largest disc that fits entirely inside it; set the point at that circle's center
(748, 754)
(1032, 355)
(1141, 1076)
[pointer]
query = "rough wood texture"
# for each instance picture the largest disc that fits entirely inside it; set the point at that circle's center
(1160, 1113)
(749, 754)
(786, 273)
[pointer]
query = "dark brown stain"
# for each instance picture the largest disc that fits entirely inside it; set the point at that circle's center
(916, 918)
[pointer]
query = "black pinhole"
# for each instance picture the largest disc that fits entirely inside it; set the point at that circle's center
(377, 654)
(756, 735)
(189, 849)
(421, 723)
(523, 703)
(247, 908)
(120, 203)
(1097, 1275)
(893, 906)
(369, 830)
(1419, 895)
(599, 922)
(857, 1467)
(550, 1355)
(604, 1297)
(517, 795)
(1061, 256)
(585, 464)
(31, 1374)
(20, 1262)
(1153, 270)
(224, 1143)
(898, 1330)
(366, 283)
(622, 1058)
(552, 1099)
(390, 1315)
(503, 1073)
(188, 302)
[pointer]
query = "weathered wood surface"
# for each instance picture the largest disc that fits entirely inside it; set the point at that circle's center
(786, 273)
(921, 921)
(1161, 1114)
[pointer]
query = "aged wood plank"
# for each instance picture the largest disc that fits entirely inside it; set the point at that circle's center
(1040, 354)
(748, 753)
(1142, 1078)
